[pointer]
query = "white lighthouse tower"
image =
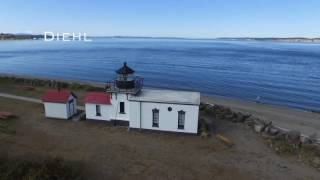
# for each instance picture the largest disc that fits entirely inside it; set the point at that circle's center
(126, 102)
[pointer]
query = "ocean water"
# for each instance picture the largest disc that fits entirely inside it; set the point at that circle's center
(286, 74)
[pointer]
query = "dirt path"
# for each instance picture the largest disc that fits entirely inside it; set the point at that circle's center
(28, 99)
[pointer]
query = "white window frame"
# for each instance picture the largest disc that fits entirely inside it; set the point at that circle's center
(181, 119)
(124, 108)
(155, 117)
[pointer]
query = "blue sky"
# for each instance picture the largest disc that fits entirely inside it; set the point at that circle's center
(173, 18)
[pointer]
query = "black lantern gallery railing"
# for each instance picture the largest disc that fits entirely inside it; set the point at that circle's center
(125, 86)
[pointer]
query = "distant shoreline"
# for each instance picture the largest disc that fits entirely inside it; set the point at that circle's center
(288, 40)
(8, 36)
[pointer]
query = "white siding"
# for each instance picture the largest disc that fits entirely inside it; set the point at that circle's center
(106, 112)
(139, 114)
(60, 110)
(110, 112)
(55, 110)
(115, 101)
(168, 120)
(134, 114)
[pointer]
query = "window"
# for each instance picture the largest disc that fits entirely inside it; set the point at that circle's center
(155, 118)
(181, 119)
(122, 108)
(98, 110)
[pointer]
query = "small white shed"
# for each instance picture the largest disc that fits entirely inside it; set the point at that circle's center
(61, 104)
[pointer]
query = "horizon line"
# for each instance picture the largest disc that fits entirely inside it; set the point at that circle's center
(181, 37)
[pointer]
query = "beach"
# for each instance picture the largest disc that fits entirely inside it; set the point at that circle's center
(288, 118)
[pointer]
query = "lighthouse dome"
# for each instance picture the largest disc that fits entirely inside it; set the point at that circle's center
(125, 69)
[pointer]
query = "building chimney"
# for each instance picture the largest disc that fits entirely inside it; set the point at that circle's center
(59, 86)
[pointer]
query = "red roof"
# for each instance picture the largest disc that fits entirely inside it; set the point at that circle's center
(57, 96)
(97, 98)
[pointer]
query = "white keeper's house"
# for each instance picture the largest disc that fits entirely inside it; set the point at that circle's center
(126, 102)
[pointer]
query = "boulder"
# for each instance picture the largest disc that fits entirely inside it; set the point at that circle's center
(258, 128)
(207, 111)
(255, 120)
(273, 131)
(238, 117)
(313, 138)
(280, 135)
(246, 115)
(229, 116)
(249, 122)
(261, 121)
(293, 136)
(267, 122)
(266, 129)
(220, 116)
(316, 162)
(305, 140)
(203, 106)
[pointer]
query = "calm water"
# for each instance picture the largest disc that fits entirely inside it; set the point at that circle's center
(279, 73)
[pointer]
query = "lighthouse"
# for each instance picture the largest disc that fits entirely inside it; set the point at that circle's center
(127, 102)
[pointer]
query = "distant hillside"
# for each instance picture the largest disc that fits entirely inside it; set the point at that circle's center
(5, 36)
(295, 39)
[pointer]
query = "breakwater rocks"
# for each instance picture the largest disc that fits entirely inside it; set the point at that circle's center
(283, 141)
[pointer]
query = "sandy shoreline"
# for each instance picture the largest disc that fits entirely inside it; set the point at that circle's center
(289, 118)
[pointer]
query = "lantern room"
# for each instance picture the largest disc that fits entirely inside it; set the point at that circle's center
(126, 81)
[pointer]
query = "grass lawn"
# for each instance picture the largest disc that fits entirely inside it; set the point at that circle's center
(21, 87)
(110, 152)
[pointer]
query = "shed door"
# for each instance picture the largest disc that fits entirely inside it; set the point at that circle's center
(71, 107)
